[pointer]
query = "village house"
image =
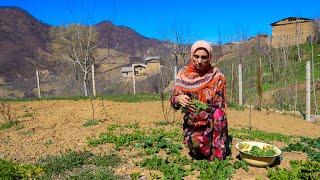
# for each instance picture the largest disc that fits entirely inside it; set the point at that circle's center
(153, 64)
(291, 31)
(150, 66)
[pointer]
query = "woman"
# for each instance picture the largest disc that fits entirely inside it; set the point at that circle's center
(205, 131)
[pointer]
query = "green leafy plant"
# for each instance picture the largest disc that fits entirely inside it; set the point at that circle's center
(217, 169)
(265, 151)
(113, 127)
(299, 170)
(151, 142)
(108, 160)
(306, 145)
(135, 176)
(169, 169)
(91, 166)
(241, 164)
(28, 114)
(132, 125)
(99, 173)
(48, 142)
(7, 125)
(259, 135)
(172, 164)
(61, 163)
(198, 105)
(91, 122)
(10, 170)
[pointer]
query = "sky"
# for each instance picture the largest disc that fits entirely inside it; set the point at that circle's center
(211, 20)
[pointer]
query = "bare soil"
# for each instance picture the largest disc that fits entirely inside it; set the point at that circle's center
(52, 127)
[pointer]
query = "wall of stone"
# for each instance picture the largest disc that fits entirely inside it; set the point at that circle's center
(288, 34)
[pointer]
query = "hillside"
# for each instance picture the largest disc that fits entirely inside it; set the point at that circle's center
(283, 76)
(126, 40)
(22, 36)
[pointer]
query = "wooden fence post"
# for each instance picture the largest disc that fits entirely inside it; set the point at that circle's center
(308, 90)
(232, 83)
(93, 81)
(133, 79)
(240, 84)
(38, 83)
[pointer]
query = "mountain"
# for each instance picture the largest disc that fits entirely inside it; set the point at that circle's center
(22, 36)
(125, 40)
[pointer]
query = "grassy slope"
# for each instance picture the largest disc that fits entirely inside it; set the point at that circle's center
(295, 72)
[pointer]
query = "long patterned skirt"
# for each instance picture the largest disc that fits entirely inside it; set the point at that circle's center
(206, 134)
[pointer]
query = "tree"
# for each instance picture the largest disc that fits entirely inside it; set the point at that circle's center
(298, 39)
(316, 30)
(76, 44)
(271, 64)
(262, 51)
(311, 40)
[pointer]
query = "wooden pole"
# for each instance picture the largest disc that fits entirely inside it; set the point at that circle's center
(260, 84)
(133, 79)
(175, 73)
(160, 79)
(38, 83)
(232, 82)
(250, 114)
(308, 90)
(93, 81)
(295, 99)
(313, 83)
(175, 67)
(240, 84)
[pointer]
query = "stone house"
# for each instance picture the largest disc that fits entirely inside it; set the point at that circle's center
(291, 30)
(152, 64)
(149, 66)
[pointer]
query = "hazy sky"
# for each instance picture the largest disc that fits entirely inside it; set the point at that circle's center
(211, 20)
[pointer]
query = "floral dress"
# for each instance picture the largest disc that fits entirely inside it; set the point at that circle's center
(206, 131)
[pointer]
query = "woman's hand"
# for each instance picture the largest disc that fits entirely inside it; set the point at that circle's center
(183, 100)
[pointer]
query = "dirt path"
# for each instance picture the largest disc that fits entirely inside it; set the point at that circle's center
(52, 127)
